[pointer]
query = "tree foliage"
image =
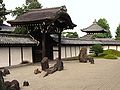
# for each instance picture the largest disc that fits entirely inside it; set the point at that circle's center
(2, 12)
(118, 33)
(104, 24)
(31, 4)
(97, 49)
(70, 34)
(20, 30)
(29, 1)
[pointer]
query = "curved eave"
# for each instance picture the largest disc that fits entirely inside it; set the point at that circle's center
(17, 45)
(18, 23)
(60, 16)
(94, 31)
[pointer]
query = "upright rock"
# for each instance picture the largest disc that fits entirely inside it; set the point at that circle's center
(1, 81)
(83, 55)
(44, 63)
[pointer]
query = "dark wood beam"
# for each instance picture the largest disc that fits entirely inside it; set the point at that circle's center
(43, 45)
(59, 46)
(9, 56)
(22, 54)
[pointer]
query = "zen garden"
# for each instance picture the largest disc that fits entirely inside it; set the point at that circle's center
(39, 52)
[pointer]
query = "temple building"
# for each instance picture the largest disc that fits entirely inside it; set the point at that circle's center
(92, 30)
(71, 46)
(41, 24)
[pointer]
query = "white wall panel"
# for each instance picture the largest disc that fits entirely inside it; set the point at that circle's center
(62, 52)
(15, 55)
(77, 50)
(4, 56)
(112, 47)
(68, 54)
(73, 50)
(105, 47)
(88, 49)
(118, 48)
(27, 54)
(55, 53)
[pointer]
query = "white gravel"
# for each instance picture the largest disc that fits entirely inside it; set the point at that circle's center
(103, 75)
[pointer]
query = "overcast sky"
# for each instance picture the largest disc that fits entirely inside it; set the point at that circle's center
(82, 12)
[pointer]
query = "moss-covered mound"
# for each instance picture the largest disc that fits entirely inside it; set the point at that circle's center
(110, 56)
(113, 52)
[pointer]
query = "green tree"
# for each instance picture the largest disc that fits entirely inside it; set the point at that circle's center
(104, 24)
(117, 37)
(20, 30)
(2, 12)
(70, 34)
(29, 1)
(33, 4)
(97, 49)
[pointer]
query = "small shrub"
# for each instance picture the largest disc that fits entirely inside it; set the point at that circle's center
(97, 49)
(110, 56)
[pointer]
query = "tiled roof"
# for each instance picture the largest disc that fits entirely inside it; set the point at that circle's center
(6, 28)
(93, 28)
(36, 16)
(87, 37)
(75, 41)
(15, 39)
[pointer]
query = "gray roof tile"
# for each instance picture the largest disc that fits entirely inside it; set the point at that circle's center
(93, 28)
(75, 41)
(15, 39)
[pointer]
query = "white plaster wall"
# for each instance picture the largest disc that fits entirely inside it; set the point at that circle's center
(55, 53)
(77, 50)
(112, 47)
(68, 51)
(4, 56)
(105, 47)
(73, 50)
(62, 52)
(15, 55)
(27, 54)
(118, 48)
(55, 48)
(88, 49)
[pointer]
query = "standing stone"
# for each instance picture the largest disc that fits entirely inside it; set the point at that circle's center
(44, 63)
(1, 81)
(59, 65)
(83, 55)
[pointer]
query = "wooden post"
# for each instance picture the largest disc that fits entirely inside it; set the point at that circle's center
(9, 57)
(22, 54)
(59, 46)
(43, 45)
(44, 62)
